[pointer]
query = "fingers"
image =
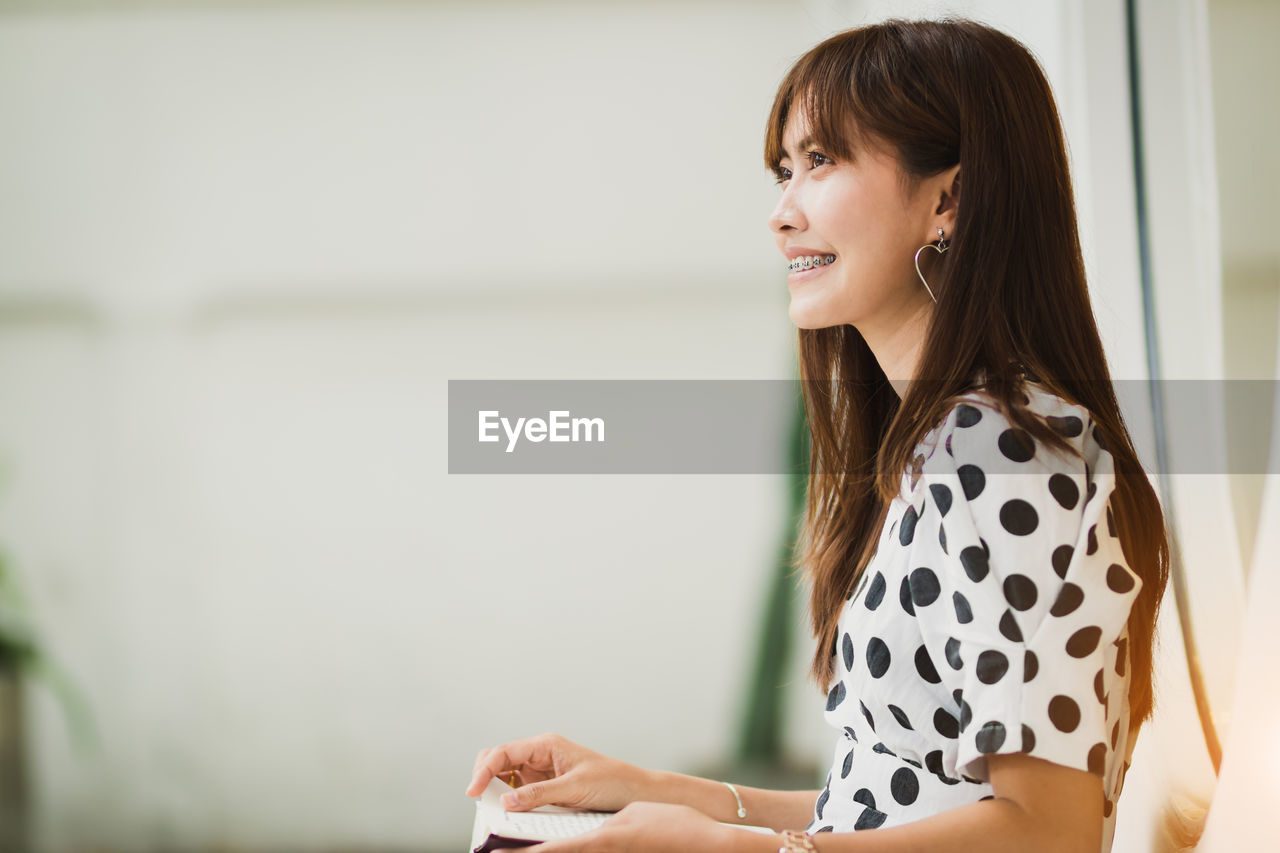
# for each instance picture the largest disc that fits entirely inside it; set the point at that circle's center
(509, 756)
(550, 792)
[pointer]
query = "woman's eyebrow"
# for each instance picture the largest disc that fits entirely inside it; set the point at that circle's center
(803, 144)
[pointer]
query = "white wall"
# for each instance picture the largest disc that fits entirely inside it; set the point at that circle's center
(242, 250)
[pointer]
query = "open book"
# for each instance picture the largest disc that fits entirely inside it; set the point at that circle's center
(496, 828)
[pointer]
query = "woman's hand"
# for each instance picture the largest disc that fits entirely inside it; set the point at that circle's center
(648, 828)
(552, 770)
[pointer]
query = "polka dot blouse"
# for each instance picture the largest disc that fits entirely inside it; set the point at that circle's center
(991, 620)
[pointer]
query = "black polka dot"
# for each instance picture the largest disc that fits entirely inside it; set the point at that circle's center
(1020, 592)
(904, 786)
(1028, 738)
(1016, 444)
(847, 766)
(835, 696)
(1064, 713)
(883, 750)
(972, 480)
(904, 596)
(941, 497)
(907, 531)
(976, 562)
(1111, 523)
(1009, 627)
(967, 416)
(933, 761)
(1082, 643)
(877, 657)
(1098, 688)
(1064, 491)
(875, 592)
(942, 537)
(865, 797)
(945, 724)
(846, 646)
(924, 587)
(1093, 540)
(947, 443)
(1091, 490)
(1018, 517)
(992, 666)
(924, 666)
(822, 803)
(1062, 559)
(1098, 759)
(870, 819)
(964, 613)
(1069, 598)
(1122, 652)
(1118, 579)
(953, 654)
(853, 736)
(1115, 734)
(901, 716)
(990, 737)
(1069, 426)
(1030, 666)
(871, 723)
(966, 715)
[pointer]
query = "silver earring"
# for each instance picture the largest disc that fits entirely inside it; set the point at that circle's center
(941, 246)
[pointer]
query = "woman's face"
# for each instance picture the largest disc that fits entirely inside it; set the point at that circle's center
(858, 212)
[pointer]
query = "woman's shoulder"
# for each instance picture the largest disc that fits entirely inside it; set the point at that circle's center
(978, 431)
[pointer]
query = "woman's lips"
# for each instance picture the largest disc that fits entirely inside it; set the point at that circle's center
(801, 276)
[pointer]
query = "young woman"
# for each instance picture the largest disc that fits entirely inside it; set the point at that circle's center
(985, 554)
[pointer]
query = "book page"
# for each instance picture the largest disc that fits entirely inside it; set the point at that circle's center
(542, 824)
(545, 822)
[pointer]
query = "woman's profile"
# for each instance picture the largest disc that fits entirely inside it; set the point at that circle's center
(984, 553)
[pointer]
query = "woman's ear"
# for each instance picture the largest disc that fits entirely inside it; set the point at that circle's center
(947, 186)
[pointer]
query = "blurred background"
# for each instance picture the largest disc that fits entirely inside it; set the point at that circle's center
(245, 245)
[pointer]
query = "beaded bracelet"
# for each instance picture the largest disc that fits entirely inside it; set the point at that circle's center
(795, 841)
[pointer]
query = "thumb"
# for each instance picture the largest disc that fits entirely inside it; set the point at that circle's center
(533, 795)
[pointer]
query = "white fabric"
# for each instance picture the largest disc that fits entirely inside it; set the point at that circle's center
(992, 619)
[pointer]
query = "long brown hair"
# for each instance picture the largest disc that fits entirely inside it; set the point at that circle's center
(1011, 296)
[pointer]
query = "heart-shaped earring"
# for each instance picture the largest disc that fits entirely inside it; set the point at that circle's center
(940, 247)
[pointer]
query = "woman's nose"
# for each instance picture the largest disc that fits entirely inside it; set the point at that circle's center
(787, 213)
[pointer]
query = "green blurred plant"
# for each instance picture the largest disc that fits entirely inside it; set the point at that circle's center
(20, 654)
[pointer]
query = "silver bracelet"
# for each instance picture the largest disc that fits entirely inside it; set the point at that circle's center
(742, 813)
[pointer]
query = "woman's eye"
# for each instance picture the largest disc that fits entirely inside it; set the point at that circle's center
(815, 158)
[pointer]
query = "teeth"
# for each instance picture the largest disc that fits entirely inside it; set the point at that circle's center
(805, 262)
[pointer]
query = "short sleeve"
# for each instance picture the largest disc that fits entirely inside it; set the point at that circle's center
(1021, 588)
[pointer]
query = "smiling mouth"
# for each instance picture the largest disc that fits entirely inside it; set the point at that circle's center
(803, 274)
(805, 262)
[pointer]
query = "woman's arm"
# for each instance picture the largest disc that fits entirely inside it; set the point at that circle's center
(1038, 806)
(776, 810)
